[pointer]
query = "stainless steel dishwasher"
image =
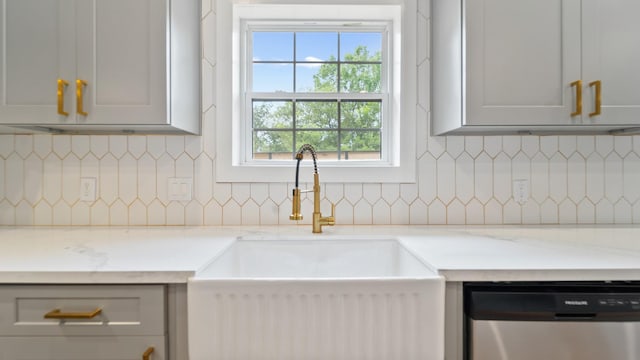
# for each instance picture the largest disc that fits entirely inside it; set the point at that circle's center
(552, 321)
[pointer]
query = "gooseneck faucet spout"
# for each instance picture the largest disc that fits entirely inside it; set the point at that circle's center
(318, 219)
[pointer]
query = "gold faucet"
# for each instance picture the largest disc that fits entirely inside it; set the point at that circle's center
(318, 219)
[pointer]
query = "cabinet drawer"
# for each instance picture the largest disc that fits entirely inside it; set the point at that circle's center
(82, 347)
(103, 310)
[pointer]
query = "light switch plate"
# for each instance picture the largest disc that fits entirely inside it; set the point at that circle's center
(180, 189)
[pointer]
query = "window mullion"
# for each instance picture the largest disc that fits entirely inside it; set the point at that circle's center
(316, 96)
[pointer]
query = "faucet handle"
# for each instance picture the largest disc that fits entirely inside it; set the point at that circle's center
(330, 220)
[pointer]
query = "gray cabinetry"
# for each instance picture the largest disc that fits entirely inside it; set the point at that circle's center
(553, 66)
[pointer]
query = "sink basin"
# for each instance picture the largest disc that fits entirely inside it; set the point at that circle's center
(328, 258)
(316, 298)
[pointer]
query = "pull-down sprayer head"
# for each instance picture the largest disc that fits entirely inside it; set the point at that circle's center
(318, 220)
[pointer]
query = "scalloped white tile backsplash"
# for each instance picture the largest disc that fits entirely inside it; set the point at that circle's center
(461, 180)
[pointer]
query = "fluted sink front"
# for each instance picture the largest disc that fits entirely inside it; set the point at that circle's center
(327, 298)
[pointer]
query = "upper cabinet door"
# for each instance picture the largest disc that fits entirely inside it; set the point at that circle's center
(107, 66)
(611, 55)
(36, 50)
(521, 57)
(540, 66)
(122, 60)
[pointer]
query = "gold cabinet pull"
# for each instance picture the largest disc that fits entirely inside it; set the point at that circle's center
(58, 314)
(80, 84)
(61, 86)
(578, 85)
(598, 85)
(147, 354)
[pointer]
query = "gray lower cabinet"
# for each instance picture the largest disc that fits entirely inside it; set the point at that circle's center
(113, 322)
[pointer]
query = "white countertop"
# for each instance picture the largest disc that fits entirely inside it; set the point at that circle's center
(459, 253)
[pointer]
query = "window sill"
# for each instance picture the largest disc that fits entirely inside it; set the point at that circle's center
(328, 173)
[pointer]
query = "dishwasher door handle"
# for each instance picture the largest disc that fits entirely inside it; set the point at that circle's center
(573, 316)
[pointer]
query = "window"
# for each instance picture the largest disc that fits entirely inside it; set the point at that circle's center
(325, 86)
(340, 77)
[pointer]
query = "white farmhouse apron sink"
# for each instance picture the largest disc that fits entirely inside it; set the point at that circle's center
(316, 298)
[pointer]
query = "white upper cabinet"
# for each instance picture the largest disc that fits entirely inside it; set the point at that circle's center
(101, 65)
(503, 66)
(611, 55)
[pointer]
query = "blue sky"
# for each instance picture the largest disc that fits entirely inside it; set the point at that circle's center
(311, 46)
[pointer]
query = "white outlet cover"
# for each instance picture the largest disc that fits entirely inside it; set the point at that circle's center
(180, 189)
(521, 190)
(88, 189)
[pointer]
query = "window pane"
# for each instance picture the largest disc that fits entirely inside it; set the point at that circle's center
(339, 127)
(316, 46)
(360, 114)
(272, 114)
(272, 77)
(272, 144)
(272, 46)
(316, 78)
(358, 78)
(325, 143)
(360, 46)
(360, 145)
(317, 114)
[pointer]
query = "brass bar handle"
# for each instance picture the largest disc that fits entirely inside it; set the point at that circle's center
(147, 354)
(61, 85)
(80, 84)
(295, 206)
(598, 85)
(578, 85)
(58, 314)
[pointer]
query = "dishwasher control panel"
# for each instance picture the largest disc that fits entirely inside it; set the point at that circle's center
(598, 302)
(557, 301)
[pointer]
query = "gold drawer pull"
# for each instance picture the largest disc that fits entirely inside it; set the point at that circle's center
(62, 84)
(58, 314)
(598, 85)
(80, 84)
(578, 86)
(147, 354)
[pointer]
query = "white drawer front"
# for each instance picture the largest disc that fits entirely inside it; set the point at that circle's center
(104, 310)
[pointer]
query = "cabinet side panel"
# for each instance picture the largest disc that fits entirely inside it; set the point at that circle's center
(446, 66)
(185, 65)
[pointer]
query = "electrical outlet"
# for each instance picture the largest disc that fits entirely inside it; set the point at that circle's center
(88, 189)
(521, 191)
(180, 189)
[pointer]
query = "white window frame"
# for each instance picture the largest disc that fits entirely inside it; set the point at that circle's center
(232, 133)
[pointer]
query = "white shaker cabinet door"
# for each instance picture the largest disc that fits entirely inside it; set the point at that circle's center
(36, 49)
(521, 57)
(611, 46)
(122, 58)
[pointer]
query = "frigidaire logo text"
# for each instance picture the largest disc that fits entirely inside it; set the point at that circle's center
(576, 302)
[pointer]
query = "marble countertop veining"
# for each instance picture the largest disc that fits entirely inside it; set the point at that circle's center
(459, 253)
